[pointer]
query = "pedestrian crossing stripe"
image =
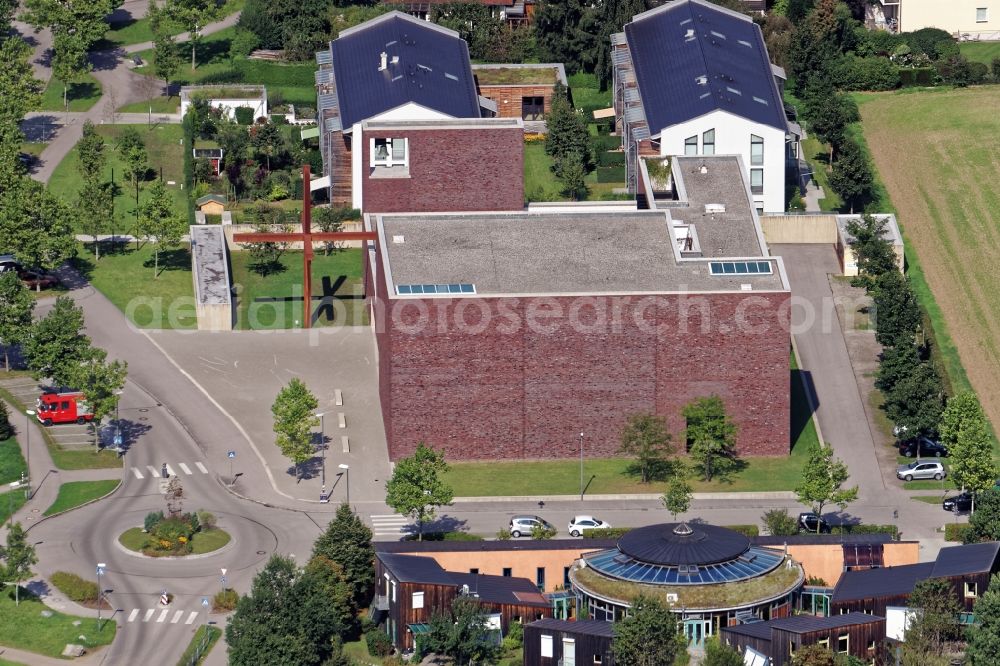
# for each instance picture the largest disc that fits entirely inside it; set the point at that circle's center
(153, 470)
(177, 616)
(131, 616)
(184, 468)
(191, 617)
(149, 614)
(170, 471)
(138, 474)
(155, 473)
(163, 615)
(201, 468)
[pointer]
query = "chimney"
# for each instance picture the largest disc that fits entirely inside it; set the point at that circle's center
(383, 62)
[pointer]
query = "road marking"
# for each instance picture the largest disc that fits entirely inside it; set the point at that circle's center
(138, 474)
(153, 470)
(184, 468)
(201, 468)
(149, 614)
(176, 617)
(191, 617)
(170, 471)
(389, 524)
(163, 615)
(338, 397)
(341, 420)
(131, 616)
(345, 443)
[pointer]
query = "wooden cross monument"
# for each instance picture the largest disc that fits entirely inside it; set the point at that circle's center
(307, 238)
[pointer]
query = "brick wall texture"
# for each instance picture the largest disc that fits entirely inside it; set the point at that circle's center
(493, 387)
(451, 170)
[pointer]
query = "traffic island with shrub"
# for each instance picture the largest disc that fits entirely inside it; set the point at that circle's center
(176, 535)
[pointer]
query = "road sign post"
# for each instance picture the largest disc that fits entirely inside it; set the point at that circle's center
(100, 593)
(223, 579)
(231, 455)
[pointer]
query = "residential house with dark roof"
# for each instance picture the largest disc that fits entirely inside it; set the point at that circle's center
(693, 78)
(550, 642)
(856, 634)
(411, 589)
(402, 126)
(514, 12)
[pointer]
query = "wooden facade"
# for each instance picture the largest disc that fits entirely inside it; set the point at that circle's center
(340, 168)
(528, 102)
(547, 642)
(862, 636)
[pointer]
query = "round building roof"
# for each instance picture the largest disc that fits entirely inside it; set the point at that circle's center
(675, 544)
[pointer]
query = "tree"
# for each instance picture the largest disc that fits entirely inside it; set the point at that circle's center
(159, 223)
(984, 642)
(897, 362)
(331, 220)
(35, 225)
(6, 429)
(779, 522)
(852, 176)
(94, 209)
(21, 92)
(462, 634)
(16, 308)
(718, 654)
(569, 169)
(294, 413)
(266, 140)
(916, 400)
(91, 154)
(897, 313)
(677, 498)
(873, 252)
(330, 579)
(235, 142)
(711, 437)
(7, 9)
(813, 655)
(69, 61)
(614, 15)
(823, 479)
(646, 636)
(417, 487)
(193, 15)
(347, 541)
(984, 524)
(56, 344)
(966, 433)
(646, 438)
(99, 380)
(132, 151)
(936, 620)
(567, 32)
(567, 134)
(166, 58)
(18, 557)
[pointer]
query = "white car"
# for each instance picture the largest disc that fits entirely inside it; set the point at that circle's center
(581, 524)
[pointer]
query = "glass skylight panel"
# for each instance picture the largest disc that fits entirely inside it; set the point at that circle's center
(740, 267)
(403, 289)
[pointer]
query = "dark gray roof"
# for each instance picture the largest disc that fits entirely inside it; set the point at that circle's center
(579, 627)
(432, 70)
(704, 544)
(886, 582)
(760, 630)
(725, 47)
(492, 546)
(501, 589)
(813, 539)
(969, 559)
(801, 624)
(414, 569)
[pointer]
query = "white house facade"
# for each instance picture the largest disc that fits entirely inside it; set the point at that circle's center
(227, 98)
(970, 19)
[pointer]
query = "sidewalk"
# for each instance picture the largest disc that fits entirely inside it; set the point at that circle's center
(33, 659)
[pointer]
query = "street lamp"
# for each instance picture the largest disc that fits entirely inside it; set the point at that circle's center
(27, 445)
(100, 592)
(118, 421)
(322, 445)
(10, 502)
(581, 466)
(347, 474)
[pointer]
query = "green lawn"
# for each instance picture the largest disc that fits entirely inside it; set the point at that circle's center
(126, 278)
(609, 475)
(928, 499)
(10, 502)
(165, 152)
(138, 31)
(212, 58)
(5, 662)
(81, 95)
(202, 542)
(159, 104)
(34, 148)
(25, 628)
(983, 52)
(818, 156)
(349, 309)
(75, 493)
(11, 461)
(196, 643)
(587, 94)
(541, 184)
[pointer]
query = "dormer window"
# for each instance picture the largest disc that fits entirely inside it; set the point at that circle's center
(389, 153)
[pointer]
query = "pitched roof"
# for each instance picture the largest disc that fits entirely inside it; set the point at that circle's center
(967, 559)
(801, 624)
(501, 589)
(218, 198)
(431, 68)
(579, 627)
(760, 630)
(692, 57)
(413, 569)
(885, 582)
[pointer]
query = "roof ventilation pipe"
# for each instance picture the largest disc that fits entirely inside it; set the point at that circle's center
(383, 61)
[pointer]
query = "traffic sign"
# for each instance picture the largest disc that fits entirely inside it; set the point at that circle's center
(100, 569)
(204, 602)
(231, 454)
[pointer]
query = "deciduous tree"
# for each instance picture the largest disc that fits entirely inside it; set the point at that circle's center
(462, 634)
(294, 413)
(57, 345)
(646, 438)
(984, 524)
(852, 177)
(897, 362)
(16, 308)
(823, 479)
(193, 15)
(897, 314)
(614, 15)
(984, 642)
(18, 558)
(779, 522)
(35, 225)
(417, 488)
(645, 637)
(69, 61)
(916, 400)
(718, 654)
(348, 542)
(21, 92)
(873, 252)
(132, 151)
(937, 619)
(966, 433)
(711, 436)
(166, 58)
(677, 498)
(567, 32)
(160, 223)
(100, 380)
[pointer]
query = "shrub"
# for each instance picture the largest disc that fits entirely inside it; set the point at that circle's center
(244, 115)
(920, 76)
(75, 588)
(514, 638)
(445, 536)
(539, 532)
(378, 643)
(995, 68)
(504, 534)
(224, 601)
(153, 518)
(780, 523)
(866, 529)
(610, 159)
(6, 431)
(207, 519)
(928, 40)
(956, 532)
(817, 581)
(853, 73)
(606, 533)
(746, 530)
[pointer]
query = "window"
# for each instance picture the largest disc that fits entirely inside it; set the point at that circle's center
(435, 289)
(825, 643)
(971, 590)
(473, 571)
(871, 646)
(389, 153)
(566, 577)
(708, 142)
(393, 591)
(540, 578)
(759, 207)
(532, 108)
(507, 572)
(740, 267)
(691, 145)
(982, 14)
(757, 181)
(569, 652)
(843, 643)
(756, 149)
(418, 600)
(598, 658)
(546, 646)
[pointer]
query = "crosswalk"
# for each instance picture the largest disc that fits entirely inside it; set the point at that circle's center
(390, 525)
(154, 472)
(162, 616)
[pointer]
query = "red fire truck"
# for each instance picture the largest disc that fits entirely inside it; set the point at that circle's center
(63, 407)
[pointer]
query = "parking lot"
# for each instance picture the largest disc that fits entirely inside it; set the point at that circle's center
(69, 435)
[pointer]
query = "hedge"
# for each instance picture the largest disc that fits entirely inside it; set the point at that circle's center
(956, 531)
(602, 143)
(746, 530)
(445, 536)
(75, 588)
(919, 76)
(853, 73)
(188, 126)
(866, 529)
(606, 533)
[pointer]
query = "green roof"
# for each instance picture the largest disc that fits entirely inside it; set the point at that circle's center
(500, 76)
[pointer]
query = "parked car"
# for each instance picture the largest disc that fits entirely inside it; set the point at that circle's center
(8, 263)
(523, 525)
(922, 447)
(38, 279)
(961, 503)
(807, 523)
(921, 469)
(580, 524)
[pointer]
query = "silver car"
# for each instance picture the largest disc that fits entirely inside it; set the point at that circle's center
(921, 469)
(523, 525)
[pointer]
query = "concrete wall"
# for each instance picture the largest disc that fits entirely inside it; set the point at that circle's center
(952, 16)
(215, 317)
(481, 380)
(799, 228)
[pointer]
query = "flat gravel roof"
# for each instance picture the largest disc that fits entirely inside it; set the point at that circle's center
(211, 271)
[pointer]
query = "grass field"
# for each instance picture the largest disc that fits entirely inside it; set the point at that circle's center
(348, 309)
(81, 95)
(126, 278)
(541, 184)
(25, 628)
(818, 156)
(983, 52)
(159, 104)
(137, 31)
(11, 461)
(165, 152)
(33, 148)
(214, 633)
(75, 493)
(10, 502)
(201, 543)
(936, 154)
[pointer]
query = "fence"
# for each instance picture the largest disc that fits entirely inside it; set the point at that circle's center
(230, 229)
